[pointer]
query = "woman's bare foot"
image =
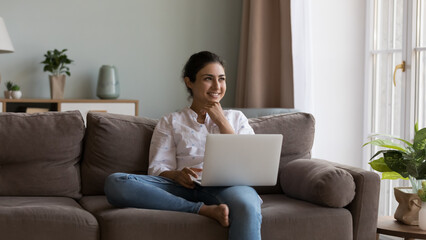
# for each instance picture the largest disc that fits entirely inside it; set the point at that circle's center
(218, 212)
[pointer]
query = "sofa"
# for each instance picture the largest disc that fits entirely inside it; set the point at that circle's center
(53, 167)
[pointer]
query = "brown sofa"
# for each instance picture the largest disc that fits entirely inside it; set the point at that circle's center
(52, 171)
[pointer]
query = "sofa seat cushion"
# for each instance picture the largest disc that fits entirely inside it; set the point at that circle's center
(40, 154)
(135, 224)
(41, 218)
(287, 218)
(283, 218)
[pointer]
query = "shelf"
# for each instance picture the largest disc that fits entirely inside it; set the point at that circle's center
(69, 100)
(120, 106)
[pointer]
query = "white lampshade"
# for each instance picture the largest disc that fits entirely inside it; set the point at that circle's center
(5, 43)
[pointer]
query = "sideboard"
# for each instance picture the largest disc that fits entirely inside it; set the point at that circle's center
(119, 106)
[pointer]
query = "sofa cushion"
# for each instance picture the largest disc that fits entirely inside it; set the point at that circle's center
(289, 218)
(298, 131)
(114, 143)
(283, 218)
(318, 182)
(40, 154)
(260, 112)
(41, 218)
(129, 223)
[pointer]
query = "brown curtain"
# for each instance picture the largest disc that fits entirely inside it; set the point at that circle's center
(265, 68)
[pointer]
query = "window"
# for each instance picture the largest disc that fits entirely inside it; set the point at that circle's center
(396, 36)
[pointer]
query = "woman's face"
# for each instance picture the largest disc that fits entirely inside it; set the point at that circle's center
(209, 85)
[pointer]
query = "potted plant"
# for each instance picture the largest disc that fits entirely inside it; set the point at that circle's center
(13, 91)
(16, 91)
(403, 160)
(8, 92)
(422, 212)
(56, 63)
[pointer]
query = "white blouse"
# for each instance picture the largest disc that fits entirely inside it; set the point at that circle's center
(179, 140)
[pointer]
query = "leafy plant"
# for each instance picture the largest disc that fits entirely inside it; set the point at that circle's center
(10, 86)
(16, 88)
(422, 192)
(401, 161)
(56, 62)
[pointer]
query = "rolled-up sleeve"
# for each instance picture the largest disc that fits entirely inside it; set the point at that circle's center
(243, 125)
(162, 152)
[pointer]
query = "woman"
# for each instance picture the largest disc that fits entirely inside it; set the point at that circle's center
(176, 155)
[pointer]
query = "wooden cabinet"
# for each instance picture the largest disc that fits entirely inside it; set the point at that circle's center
(127, 107)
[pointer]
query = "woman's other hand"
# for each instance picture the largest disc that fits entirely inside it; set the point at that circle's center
(183, 177)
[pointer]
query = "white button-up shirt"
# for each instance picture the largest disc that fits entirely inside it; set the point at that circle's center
(179, 140)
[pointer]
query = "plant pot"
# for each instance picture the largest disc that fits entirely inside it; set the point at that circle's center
(57, 86)
(8, 94)
(422, 216)
(16, 94)
(409, 206)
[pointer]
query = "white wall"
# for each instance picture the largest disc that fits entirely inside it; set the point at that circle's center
(148, 40)
(338, 40)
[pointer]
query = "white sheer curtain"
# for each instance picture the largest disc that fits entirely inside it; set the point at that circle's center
(302, 55)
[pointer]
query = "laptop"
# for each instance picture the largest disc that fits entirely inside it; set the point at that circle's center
(232, 159)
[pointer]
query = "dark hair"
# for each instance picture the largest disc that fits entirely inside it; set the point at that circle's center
(196, 62)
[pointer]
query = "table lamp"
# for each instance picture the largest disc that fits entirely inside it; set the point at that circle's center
(5, 43)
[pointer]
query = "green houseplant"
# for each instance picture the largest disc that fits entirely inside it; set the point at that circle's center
(56, 62)
(8, 92)
(401, 160)
(9, 85)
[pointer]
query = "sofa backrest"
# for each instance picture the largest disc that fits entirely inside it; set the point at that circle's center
(118, 143)
(40, 154)
(298, 131)
(260, 112)
(114, 143)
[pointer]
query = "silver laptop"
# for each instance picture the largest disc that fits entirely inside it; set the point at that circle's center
(232, 159)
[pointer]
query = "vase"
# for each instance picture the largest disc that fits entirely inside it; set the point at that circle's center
(16, 94)
(415, 184)
(409, 206)
(108, 84)
(422, 216)
(57, 86)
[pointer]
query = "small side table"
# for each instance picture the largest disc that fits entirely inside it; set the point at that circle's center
(389, 226)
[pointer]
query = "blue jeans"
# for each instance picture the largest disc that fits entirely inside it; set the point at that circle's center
(128, 190)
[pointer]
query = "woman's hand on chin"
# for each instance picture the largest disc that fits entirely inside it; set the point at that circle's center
(215, 111)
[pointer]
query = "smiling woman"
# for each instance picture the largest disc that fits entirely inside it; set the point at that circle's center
(204, 76)
(177, 154)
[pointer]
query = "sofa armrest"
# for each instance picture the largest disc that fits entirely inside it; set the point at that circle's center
(364, 206)
(307, 179)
